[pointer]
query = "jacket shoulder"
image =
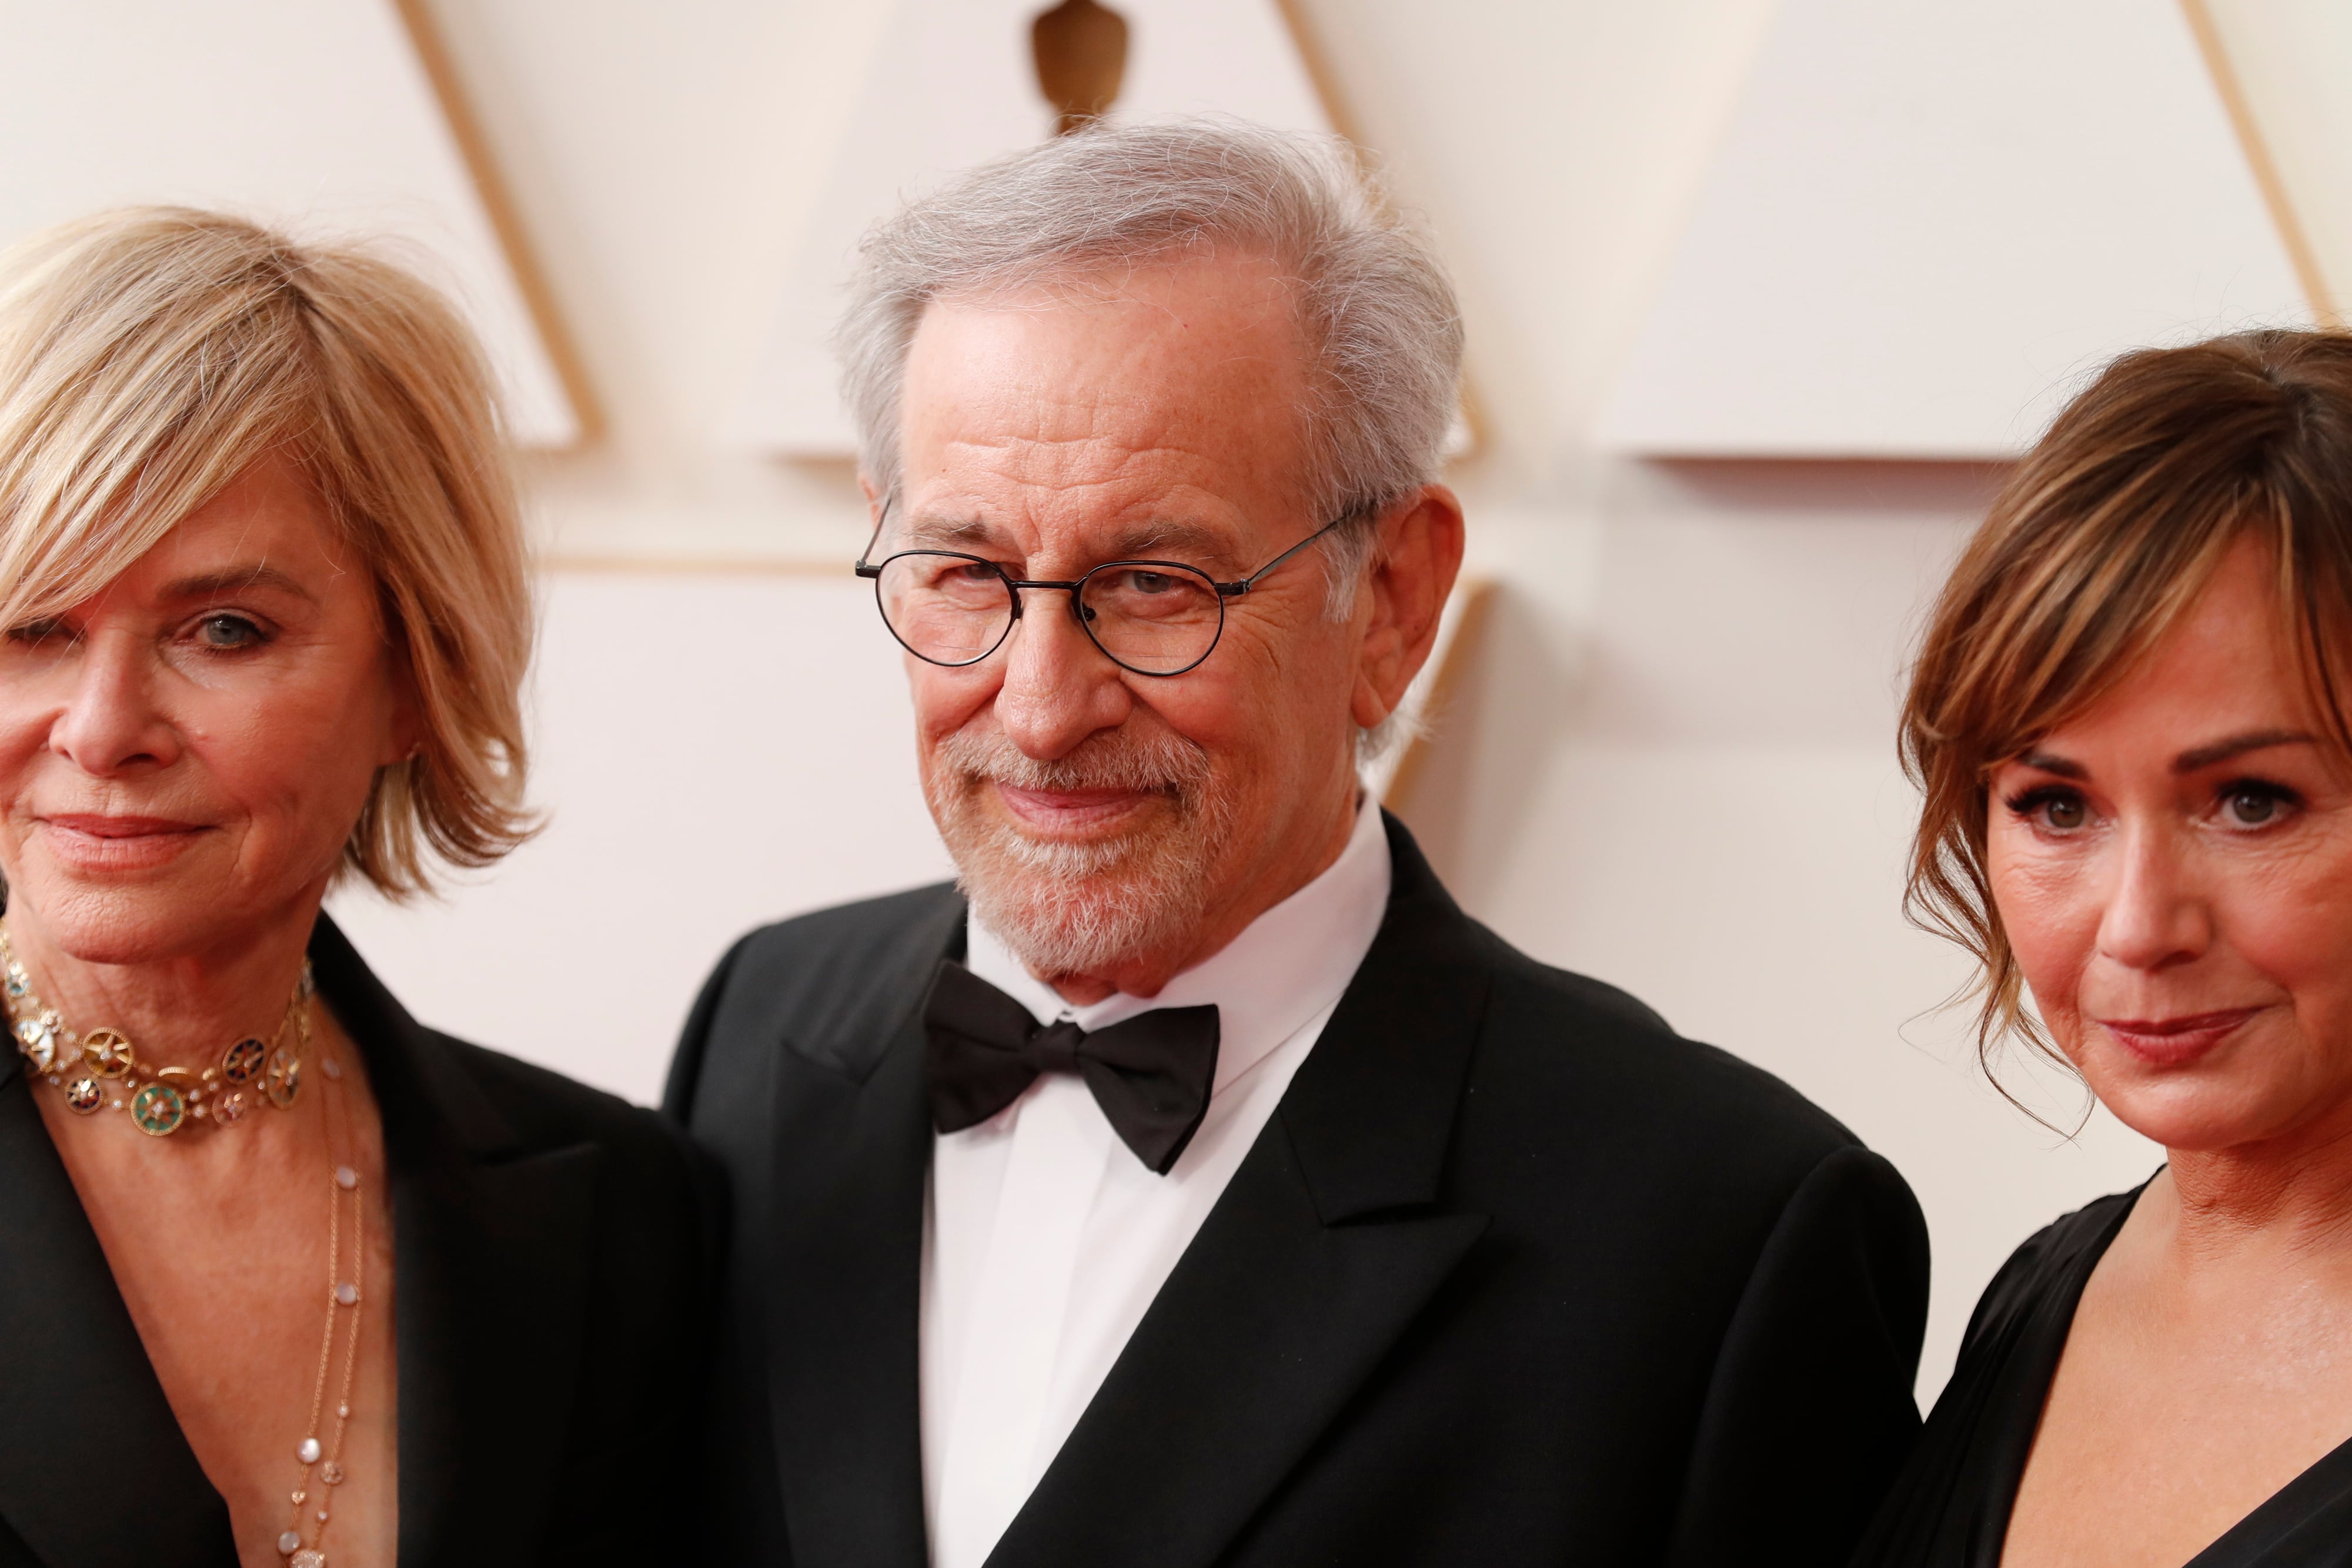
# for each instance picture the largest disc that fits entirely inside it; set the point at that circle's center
(1586, 1039)
(547, 1110)
(831, 986)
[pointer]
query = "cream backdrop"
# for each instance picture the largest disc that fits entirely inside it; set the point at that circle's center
(1673, 769)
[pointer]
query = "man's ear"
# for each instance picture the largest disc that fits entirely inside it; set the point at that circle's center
(1416, 555)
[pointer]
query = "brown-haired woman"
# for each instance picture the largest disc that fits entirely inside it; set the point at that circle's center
(2132, 720)
(285, 1279)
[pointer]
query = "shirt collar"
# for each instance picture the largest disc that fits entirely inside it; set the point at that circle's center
(1287, 967)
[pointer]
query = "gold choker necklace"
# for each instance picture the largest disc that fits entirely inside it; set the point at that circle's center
(102, 1068)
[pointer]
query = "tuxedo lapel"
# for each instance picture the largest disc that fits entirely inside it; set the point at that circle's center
(852, 1136)
(1326, 1245)
(490, 1250)
(100, 1476)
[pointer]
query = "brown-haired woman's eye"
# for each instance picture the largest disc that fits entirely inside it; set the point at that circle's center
(2254, 803)
(2055, 808)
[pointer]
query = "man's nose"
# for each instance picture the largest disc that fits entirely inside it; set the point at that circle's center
(2157, 914)
(1059, 688)
(109, 722)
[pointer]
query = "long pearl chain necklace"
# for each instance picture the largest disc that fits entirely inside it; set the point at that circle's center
(302, 1545)
(160, 1104)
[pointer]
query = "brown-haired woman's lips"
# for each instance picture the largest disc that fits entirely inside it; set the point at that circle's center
(2177, 1041)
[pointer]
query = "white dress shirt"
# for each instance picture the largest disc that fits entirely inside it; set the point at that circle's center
(1047, 1239)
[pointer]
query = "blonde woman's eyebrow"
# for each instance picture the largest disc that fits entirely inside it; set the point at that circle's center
(235, 579)
(2205, 757)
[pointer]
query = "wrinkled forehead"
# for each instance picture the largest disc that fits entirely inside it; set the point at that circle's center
(1166, 414)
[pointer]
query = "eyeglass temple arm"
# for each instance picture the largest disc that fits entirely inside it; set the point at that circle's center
(881, 518)
(1234, 590)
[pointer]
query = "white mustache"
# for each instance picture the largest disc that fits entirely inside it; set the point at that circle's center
(1159, 762)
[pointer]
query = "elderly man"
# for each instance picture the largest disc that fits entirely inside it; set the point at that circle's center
(1194, 1183)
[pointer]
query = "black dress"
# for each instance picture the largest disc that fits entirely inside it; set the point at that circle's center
(1951, 1507)
(554, 1252)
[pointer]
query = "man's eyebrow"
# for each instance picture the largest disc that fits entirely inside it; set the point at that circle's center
(236, 579)
(938, 530)
(1170, 537)
(2205, 757)
(1160, 538)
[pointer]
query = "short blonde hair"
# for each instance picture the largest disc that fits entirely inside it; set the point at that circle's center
(150, 355)
(2098, 544)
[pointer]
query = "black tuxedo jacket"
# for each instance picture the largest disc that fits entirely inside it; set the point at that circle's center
(1513, 1275)
(551, 1265)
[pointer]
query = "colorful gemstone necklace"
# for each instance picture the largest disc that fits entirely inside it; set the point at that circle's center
(102, 1068)
(161, 1102)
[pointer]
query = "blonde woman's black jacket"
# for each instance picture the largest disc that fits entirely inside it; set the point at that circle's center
(1513, 1275)
(552, 1265)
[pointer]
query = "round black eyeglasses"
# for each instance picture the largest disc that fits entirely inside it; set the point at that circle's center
(1152, 617)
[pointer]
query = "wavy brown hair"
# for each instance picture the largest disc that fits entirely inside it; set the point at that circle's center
(2100, 540)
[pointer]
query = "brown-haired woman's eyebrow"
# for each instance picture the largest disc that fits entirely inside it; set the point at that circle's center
(2205, 757)
(2049, 762)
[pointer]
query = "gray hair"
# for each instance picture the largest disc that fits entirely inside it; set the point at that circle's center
(1377, 309)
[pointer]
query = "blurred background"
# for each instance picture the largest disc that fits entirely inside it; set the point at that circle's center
(1760, 299)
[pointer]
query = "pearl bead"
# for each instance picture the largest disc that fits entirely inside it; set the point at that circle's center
(309, 1452)
(288, 1542)
(346, 1177)
(347, 1294)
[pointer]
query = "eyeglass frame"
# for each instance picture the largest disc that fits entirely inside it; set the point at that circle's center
(872, 571)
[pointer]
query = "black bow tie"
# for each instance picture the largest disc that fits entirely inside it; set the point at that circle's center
(1152, 1073)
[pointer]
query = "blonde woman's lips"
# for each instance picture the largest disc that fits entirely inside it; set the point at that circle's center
(118, 842)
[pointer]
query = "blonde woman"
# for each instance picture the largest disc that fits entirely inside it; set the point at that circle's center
(2129, 717)
(286, 1278)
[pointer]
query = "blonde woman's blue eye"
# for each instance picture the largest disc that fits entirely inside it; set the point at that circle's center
(228, 631)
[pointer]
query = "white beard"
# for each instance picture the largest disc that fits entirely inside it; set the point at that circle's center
(1072, 909)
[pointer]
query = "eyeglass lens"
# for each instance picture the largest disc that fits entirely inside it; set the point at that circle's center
(1155, 619)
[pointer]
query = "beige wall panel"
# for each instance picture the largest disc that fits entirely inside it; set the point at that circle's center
(2290, 65)
(1927, 222)
(316, 114)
